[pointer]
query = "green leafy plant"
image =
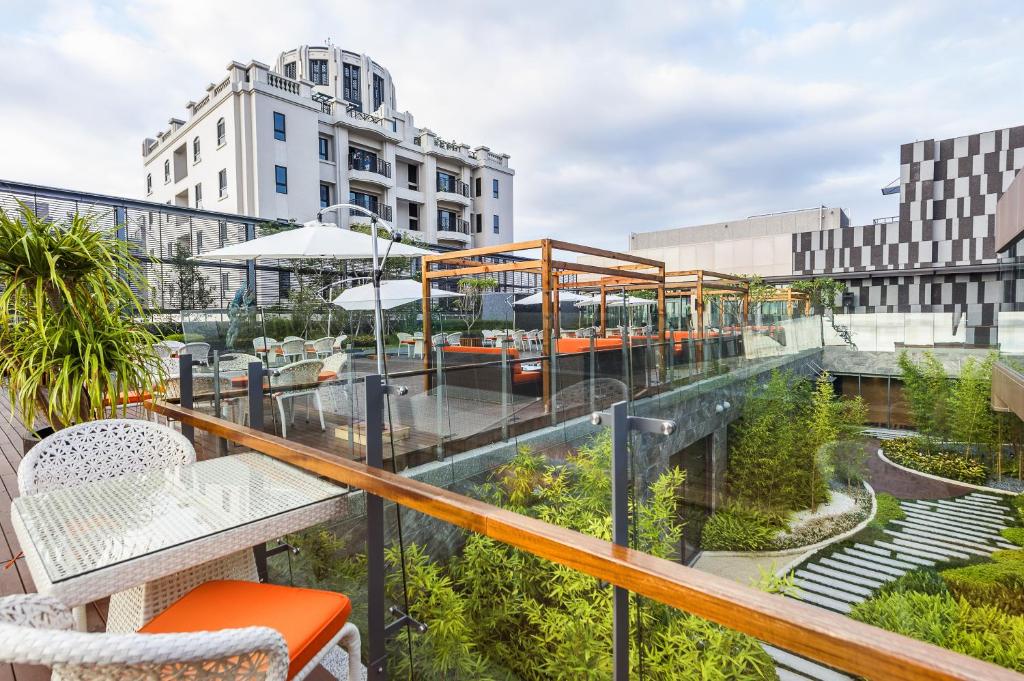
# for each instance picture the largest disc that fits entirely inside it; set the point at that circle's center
(73, 332)
(953, 465)
(926, 388)
(1014, 535)
(999, 583)
(887, 509)
(983, 631)
(471, 304)
(739, 528)
(821, 290)
(971, 419)
(922, 580)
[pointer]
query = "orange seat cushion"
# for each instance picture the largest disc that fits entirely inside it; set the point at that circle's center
(525, 377)
(307, 619)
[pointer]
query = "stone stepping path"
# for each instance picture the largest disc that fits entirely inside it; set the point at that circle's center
(934, 531)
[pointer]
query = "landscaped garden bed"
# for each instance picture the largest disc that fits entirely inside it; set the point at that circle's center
(795, 473)
(921, 455)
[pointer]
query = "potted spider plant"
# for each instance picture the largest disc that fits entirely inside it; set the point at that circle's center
(73, 340)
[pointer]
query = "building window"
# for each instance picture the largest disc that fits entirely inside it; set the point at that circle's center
(222, 133)
(414, 216)
(199, 242)
(281, 179)
(360, 159)
(289, 70)
(279, 126)
(167, 171)
(445, 221)
(445, 182)
(494, 187)
(350, 85)
(414, 177)
(479, 191)
(479, 223)
(284, 283)
(222, 232)
(199, 195)
(378, 91)
(149, 183)
(318, 71)
(224, 284)
(195, 150)
(324, 148)
(325, 195)
(222, 183)
(497, 229)
(367, 201)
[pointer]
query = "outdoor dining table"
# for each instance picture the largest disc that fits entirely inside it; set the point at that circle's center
(86, 542)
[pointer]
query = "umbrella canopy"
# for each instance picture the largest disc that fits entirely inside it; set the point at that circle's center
(631, 301)
(312, 240)
(590, 301)
(393, 293)
(563, 297)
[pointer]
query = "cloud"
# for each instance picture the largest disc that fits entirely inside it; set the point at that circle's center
(619, 117)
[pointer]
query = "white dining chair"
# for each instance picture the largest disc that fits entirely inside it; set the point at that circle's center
(305, 373)
(38, 630)
(454, 339)
(293, 349)
(200, 352)
(323, 347)
(98, 450)
(407, 341)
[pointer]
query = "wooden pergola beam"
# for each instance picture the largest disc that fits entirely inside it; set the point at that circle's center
(534, 266)
(497, 249)
(602, 253)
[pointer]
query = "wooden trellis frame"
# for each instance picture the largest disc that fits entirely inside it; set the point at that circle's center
(555, 275)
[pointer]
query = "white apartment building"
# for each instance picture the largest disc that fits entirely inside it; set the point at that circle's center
(318, 128)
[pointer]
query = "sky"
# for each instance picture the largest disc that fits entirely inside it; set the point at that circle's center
(619, 117)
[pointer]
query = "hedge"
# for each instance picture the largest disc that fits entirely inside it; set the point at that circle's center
(952, 465)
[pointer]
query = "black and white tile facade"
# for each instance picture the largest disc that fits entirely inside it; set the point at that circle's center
(948, 194)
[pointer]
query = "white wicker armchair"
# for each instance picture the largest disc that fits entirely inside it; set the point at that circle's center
(36, 630)
(200, 352)
(305, 373)
(322, 347)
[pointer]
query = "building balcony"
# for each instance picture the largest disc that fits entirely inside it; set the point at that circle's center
(411, 195)
(459, 232)
(373, 170)
(383, 210)
(454, 192)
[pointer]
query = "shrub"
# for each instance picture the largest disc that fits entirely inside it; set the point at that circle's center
(999, 583)
(1014, 535)
(889, 509)
(922, 580)
(740, 528)
(983, 632)
(1018, 503)
(849, 461)
(953, 465)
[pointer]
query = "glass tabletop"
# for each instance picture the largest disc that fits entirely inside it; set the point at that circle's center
(80, 529)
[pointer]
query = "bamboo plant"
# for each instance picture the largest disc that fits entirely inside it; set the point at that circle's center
(72, 331)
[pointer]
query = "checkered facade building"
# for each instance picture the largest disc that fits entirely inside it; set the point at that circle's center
(945, 229)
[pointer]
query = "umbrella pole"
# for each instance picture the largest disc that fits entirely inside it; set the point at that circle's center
(378, 315)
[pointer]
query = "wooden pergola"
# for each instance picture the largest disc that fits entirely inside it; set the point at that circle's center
(791, 298)
(622, 271)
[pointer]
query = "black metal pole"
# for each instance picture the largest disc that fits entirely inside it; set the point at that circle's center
(255, 388)
(375, 596)
(185, 393)
(620, 536)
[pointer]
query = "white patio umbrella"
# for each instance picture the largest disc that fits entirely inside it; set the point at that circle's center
(563, 297)
(393, 293)
(631, 301)
(319, 240)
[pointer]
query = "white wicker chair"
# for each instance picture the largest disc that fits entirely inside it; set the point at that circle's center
(200, 352)
(238, 361)
(36, 630)
(174, 345)
(336, 363)
(323, 347)
(293, 349)
(455, 339)
(262, 344)
(339, 343)
(163, 350)
(405, 340)
(305, 372)
(98, 450)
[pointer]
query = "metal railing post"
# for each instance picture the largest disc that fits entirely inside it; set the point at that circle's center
(504, 387)
(622, 424)
(620, 536)
(375, 568)
(553, 363)
(222, 444)
(185, 395)
(648, 356)
(593, 370)
(671, 360)
(439, 361)
(255, 389)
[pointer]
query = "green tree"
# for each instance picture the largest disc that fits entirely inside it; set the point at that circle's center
(189, 287)
(824, 425)
(926, 388)
(471, 304)
(971, 419)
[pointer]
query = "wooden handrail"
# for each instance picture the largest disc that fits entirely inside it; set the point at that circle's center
(821, 635)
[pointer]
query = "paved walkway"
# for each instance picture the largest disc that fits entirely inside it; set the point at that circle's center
(934, 531)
